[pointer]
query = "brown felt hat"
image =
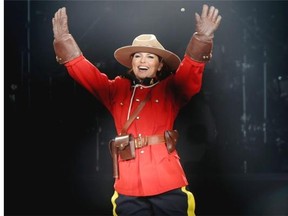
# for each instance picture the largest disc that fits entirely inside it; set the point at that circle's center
(146, 43)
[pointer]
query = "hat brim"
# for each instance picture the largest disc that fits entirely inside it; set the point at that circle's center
(123, 55)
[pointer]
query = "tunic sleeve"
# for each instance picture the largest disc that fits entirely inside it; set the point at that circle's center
(90, 77)
(188, 79)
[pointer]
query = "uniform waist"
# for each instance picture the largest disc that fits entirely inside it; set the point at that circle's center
(141, 141)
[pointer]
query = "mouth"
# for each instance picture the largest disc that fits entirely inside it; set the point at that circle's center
(143, 68)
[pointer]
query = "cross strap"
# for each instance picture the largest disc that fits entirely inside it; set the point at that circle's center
(136, 112)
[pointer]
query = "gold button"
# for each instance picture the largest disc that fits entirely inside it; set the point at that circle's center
(137, 117)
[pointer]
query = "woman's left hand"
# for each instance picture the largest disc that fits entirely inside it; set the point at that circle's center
(208, 22)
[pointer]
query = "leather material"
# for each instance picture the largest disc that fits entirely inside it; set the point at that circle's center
(199, 49)
(142, 141)
(125, 146)
(201, 43)
(135, 113)
(208, 22)
(171, 138)
(66, 49)
(114, 155)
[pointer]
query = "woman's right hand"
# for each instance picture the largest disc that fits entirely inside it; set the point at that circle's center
(65, 47)
(60, 23)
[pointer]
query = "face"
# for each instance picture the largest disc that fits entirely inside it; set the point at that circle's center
(145, 65)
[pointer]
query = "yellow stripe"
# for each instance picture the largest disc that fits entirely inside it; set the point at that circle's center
(191, 202)
(113, 201)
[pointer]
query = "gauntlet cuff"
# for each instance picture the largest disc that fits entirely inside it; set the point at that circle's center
(66, 49)
(200, 48)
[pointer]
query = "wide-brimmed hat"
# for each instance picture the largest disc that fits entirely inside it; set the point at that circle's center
(146, 43)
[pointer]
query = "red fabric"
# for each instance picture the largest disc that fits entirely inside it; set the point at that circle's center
(153, 171)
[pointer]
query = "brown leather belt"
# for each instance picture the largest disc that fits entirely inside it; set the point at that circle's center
(141, 141)
(125, 145)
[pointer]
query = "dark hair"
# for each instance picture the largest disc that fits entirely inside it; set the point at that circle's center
(164, 72)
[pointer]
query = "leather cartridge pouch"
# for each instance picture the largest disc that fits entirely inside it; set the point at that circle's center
(125, 146)
(171, 137)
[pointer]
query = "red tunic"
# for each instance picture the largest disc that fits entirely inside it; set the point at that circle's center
(153, 171)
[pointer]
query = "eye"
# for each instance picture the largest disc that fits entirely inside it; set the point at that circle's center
(151, 56)
(136, 55)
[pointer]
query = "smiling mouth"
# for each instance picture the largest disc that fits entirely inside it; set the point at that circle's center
(143, 68)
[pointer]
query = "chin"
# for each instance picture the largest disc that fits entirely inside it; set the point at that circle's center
(142, 77)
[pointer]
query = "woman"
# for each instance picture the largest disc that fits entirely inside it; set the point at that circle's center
(149, 179)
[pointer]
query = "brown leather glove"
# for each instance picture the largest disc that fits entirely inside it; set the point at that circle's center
(65, 46)
(201, 43)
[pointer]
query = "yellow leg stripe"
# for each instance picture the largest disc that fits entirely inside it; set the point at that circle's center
(113, 201)
(191, 202)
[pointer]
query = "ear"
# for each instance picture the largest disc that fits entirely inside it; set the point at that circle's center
(160, 66)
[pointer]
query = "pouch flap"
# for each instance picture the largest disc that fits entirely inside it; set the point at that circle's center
(122, 141)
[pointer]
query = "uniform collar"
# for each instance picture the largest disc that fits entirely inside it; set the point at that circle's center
(135, 81)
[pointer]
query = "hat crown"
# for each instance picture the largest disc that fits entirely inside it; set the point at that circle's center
(147, 40)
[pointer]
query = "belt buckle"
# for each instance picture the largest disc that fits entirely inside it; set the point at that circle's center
(138, 141)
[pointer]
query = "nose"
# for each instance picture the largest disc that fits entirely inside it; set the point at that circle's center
(142, 59)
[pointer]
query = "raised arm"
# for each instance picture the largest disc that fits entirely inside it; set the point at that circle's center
(200, 46)
(65, 47)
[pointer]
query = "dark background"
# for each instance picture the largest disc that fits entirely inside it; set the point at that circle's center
(233, 134)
